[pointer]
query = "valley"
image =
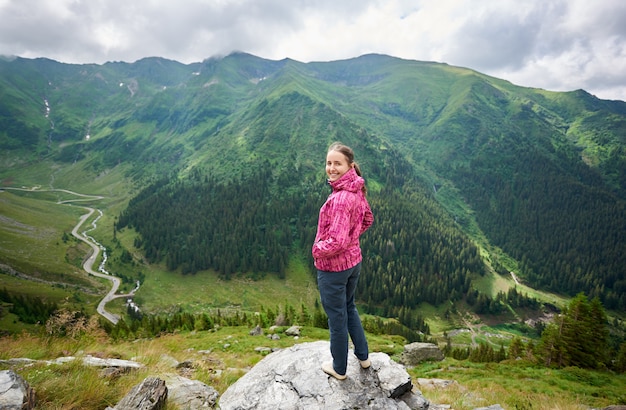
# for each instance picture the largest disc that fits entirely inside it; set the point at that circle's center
(93, 257)
(499, 211)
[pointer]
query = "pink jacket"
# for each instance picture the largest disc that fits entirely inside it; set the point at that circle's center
(345, 215)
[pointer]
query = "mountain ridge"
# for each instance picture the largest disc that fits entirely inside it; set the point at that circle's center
(484, 142)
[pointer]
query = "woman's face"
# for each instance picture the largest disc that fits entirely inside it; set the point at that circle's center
(336, 165)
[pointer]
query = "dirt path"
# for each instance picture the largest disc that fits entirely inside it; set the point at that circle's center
(472, 330)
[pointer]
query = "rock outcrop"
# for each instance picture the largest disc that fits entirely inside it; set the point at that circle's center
(190, 394)
(415, 353)
(15, 393)
(292, 379)
(87, 361)
(150, 394)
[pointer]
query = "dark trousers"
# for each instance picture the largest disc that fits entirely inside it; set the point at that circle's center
(337, 295)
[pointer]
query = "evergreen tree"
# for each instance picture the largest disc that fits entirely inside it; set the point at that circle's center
(577, 337)
(620, 361)
(551, 347)
(516, 348)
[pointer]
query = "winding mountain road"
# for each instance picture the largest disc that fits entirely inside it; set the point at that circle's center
(88, 264)
(88, 267)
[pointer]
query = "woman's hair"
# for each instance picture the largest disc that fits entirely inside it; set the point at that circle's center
(349, 154)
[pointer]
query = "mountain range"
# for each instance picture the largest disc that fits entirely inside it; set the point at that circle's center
(224, 163)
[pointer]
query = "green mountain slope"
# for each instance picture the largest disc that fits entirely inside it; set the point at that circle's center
(455, 160)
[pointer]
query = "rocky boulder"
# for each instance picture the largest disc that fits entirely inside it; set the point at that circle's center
(293, 331)
(190, 394)
(150, 394)
(416, 353)
(293, 379)
(15, 393)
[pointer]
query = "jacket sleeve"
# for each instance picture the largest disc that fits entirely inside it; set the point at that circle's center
(338, 236)
(368, 218)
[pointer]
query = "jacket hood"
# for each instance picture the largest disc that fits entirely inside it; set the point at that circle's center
(349, 181)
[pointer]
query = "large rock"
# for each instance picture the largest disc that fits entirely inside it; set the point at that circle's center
(189, 394)
(150, 394)
(432, 384)
(122, 364)
(15, 393)
(293, 331)
(293, 379)
(416, 353)
(87, 361)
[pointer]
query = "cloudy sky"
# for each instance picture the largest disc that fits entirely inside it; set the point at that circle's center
(559, 45)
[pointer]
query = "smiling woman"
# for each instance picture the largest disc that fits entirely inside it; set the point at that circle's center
(336, 165)
(343, 218)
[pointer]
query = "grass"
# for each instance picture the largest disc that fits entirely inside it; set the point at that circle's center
(31, 232)
(522, 385)
(219, 357)
(204, 291)
(222, 356)
(36, 234)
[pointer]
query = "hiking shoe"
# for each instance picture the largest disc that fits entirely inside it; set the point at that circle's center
(365, 364)
(328, 369)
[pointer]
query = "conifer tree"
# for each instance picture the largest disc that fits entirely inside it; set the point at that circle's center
(516, 348)
(578, 336)
(620, 361)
